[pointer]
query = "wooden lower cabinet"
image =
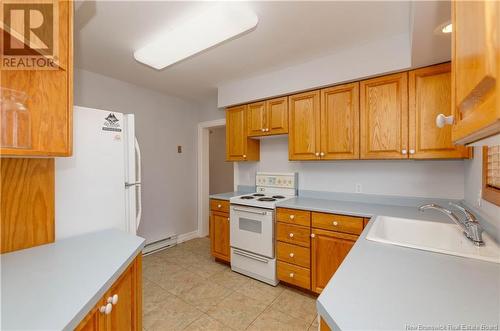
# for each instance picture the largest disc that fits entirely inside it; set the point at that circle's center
(126, 310)
(328, 250)
(219, 235)
(323, 326)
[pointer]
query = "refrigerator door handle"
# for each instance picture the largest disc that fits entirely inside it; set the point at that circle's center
(138, 183)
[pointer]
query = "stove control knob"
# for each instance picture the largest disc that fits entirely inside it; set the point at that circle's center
(335, 223)
(292, 275)
(292, 255)
(291, 235)
(292, 217)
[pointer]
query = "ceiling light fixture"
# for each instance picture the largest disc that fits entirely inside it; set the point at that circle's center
(200, 32)
(447, 28)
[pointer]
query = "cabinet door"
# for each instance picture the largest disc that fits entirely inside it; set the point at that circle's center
(304, 130)
(429, 96)
(94, 321)
(340, 122)
(256, 119)
(328, 250)
(277, 116)
(384, 117)
(49, 98)
(236, 133)
(476, 69)
(219, 224)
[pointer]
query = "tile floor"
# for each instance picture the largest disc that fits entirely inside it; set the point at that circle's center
(185, 289)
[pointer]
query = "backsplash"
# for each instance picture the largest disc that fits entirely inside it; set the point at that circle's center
(431, 179)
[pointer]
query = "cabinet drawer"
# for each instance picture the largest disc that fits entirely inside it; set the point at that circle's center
(294, 216)
(293, 274)
(340, 223)
(219, 205)
(294, 234)
(294, 254)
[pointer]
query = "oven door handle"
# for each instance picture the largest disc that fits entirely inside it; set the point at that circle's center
(251, 211)
(250, 256)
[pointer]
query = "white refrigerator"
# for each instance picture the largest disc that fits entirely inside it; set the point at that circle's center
(99, 187)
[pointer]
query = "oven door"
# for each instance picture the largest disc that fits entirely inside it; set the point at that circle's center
(252, 229)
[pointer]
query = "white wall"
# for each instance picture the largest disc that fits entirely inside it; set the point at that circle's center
(435, 179)
(473, 186)
(162, 123)
(369, 59)
(221, 172)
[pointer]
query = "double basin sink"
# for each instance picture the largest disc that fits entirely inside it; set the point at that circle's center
(445, 238)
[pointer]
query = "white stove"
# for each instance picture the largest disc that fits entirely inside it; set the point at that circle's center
(252, 225)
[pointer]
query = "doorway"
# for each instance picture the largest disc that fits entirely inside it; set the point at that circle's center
(215, 175)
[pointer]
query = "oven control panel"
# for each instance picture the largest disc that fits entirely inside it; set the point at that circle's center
(288, 180)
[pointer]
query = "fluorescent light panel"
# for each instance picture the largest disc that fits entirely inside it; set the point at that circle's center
(200, 32)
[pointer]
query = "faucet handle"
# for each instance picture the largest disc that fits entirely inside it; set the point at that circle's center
(470, 217)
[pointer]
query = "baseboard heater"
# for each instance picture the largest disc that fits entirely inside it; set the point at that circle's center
(160, 245)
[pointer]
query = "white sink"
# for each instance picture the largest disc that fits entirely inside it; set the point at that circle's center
(445, 238)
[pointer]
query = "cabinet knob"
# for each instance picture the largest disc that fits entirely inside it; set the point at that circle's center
(263, 130)
(292, 275)
(267, 130)
(228, 219)
(317, 153)
(292, 255)
(313, 235)
(292, 217)
(291, 235)
(244, 156)
(218, 206)
(113, 300)
(335, 223)
(412, 151)
(442, 120)
(404, 152)
(322, 154)
(106, 309)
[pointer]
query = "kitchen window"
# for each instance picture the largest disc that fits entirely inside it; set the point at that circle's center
(491, 174)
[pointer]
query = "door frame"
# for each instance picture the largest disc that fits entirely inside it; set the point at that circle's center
(204, 173)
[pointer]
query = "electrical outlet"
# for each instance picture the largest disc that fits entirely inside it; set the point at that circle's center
(359, 188)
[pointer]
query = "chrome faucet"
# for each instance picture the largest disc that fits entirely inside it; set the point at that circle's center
(470, 226)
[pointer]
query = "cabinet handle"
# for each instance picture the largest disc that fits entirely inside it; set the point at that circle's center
(113, 300)
(335, 223)
(322, 154)
(442, 120)
(106, 309)
(292, 255)
(292, 217)
(412, 151)
(313, 235)
(317, 153)
(218, 206)
(292, 275)
(291, 235)
(404, 152)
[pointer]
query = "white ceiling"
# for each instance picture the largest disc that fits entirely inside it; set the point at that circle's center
(107, 33)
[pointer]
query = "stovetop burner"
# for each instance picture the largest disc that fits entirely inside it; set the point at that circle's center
(258, 195)
(247, 197)
(278, 197)
(266, 199)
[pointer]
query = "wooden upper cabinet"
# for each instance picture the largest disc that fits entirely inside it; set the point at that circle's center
(328, 250)
(340, 122)
(268, 117)
(277, 116)
(384, 117)
(238, 146)
(49, 99)
(304, 126)
(476, 69)
(430, 95)
(257, 118)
